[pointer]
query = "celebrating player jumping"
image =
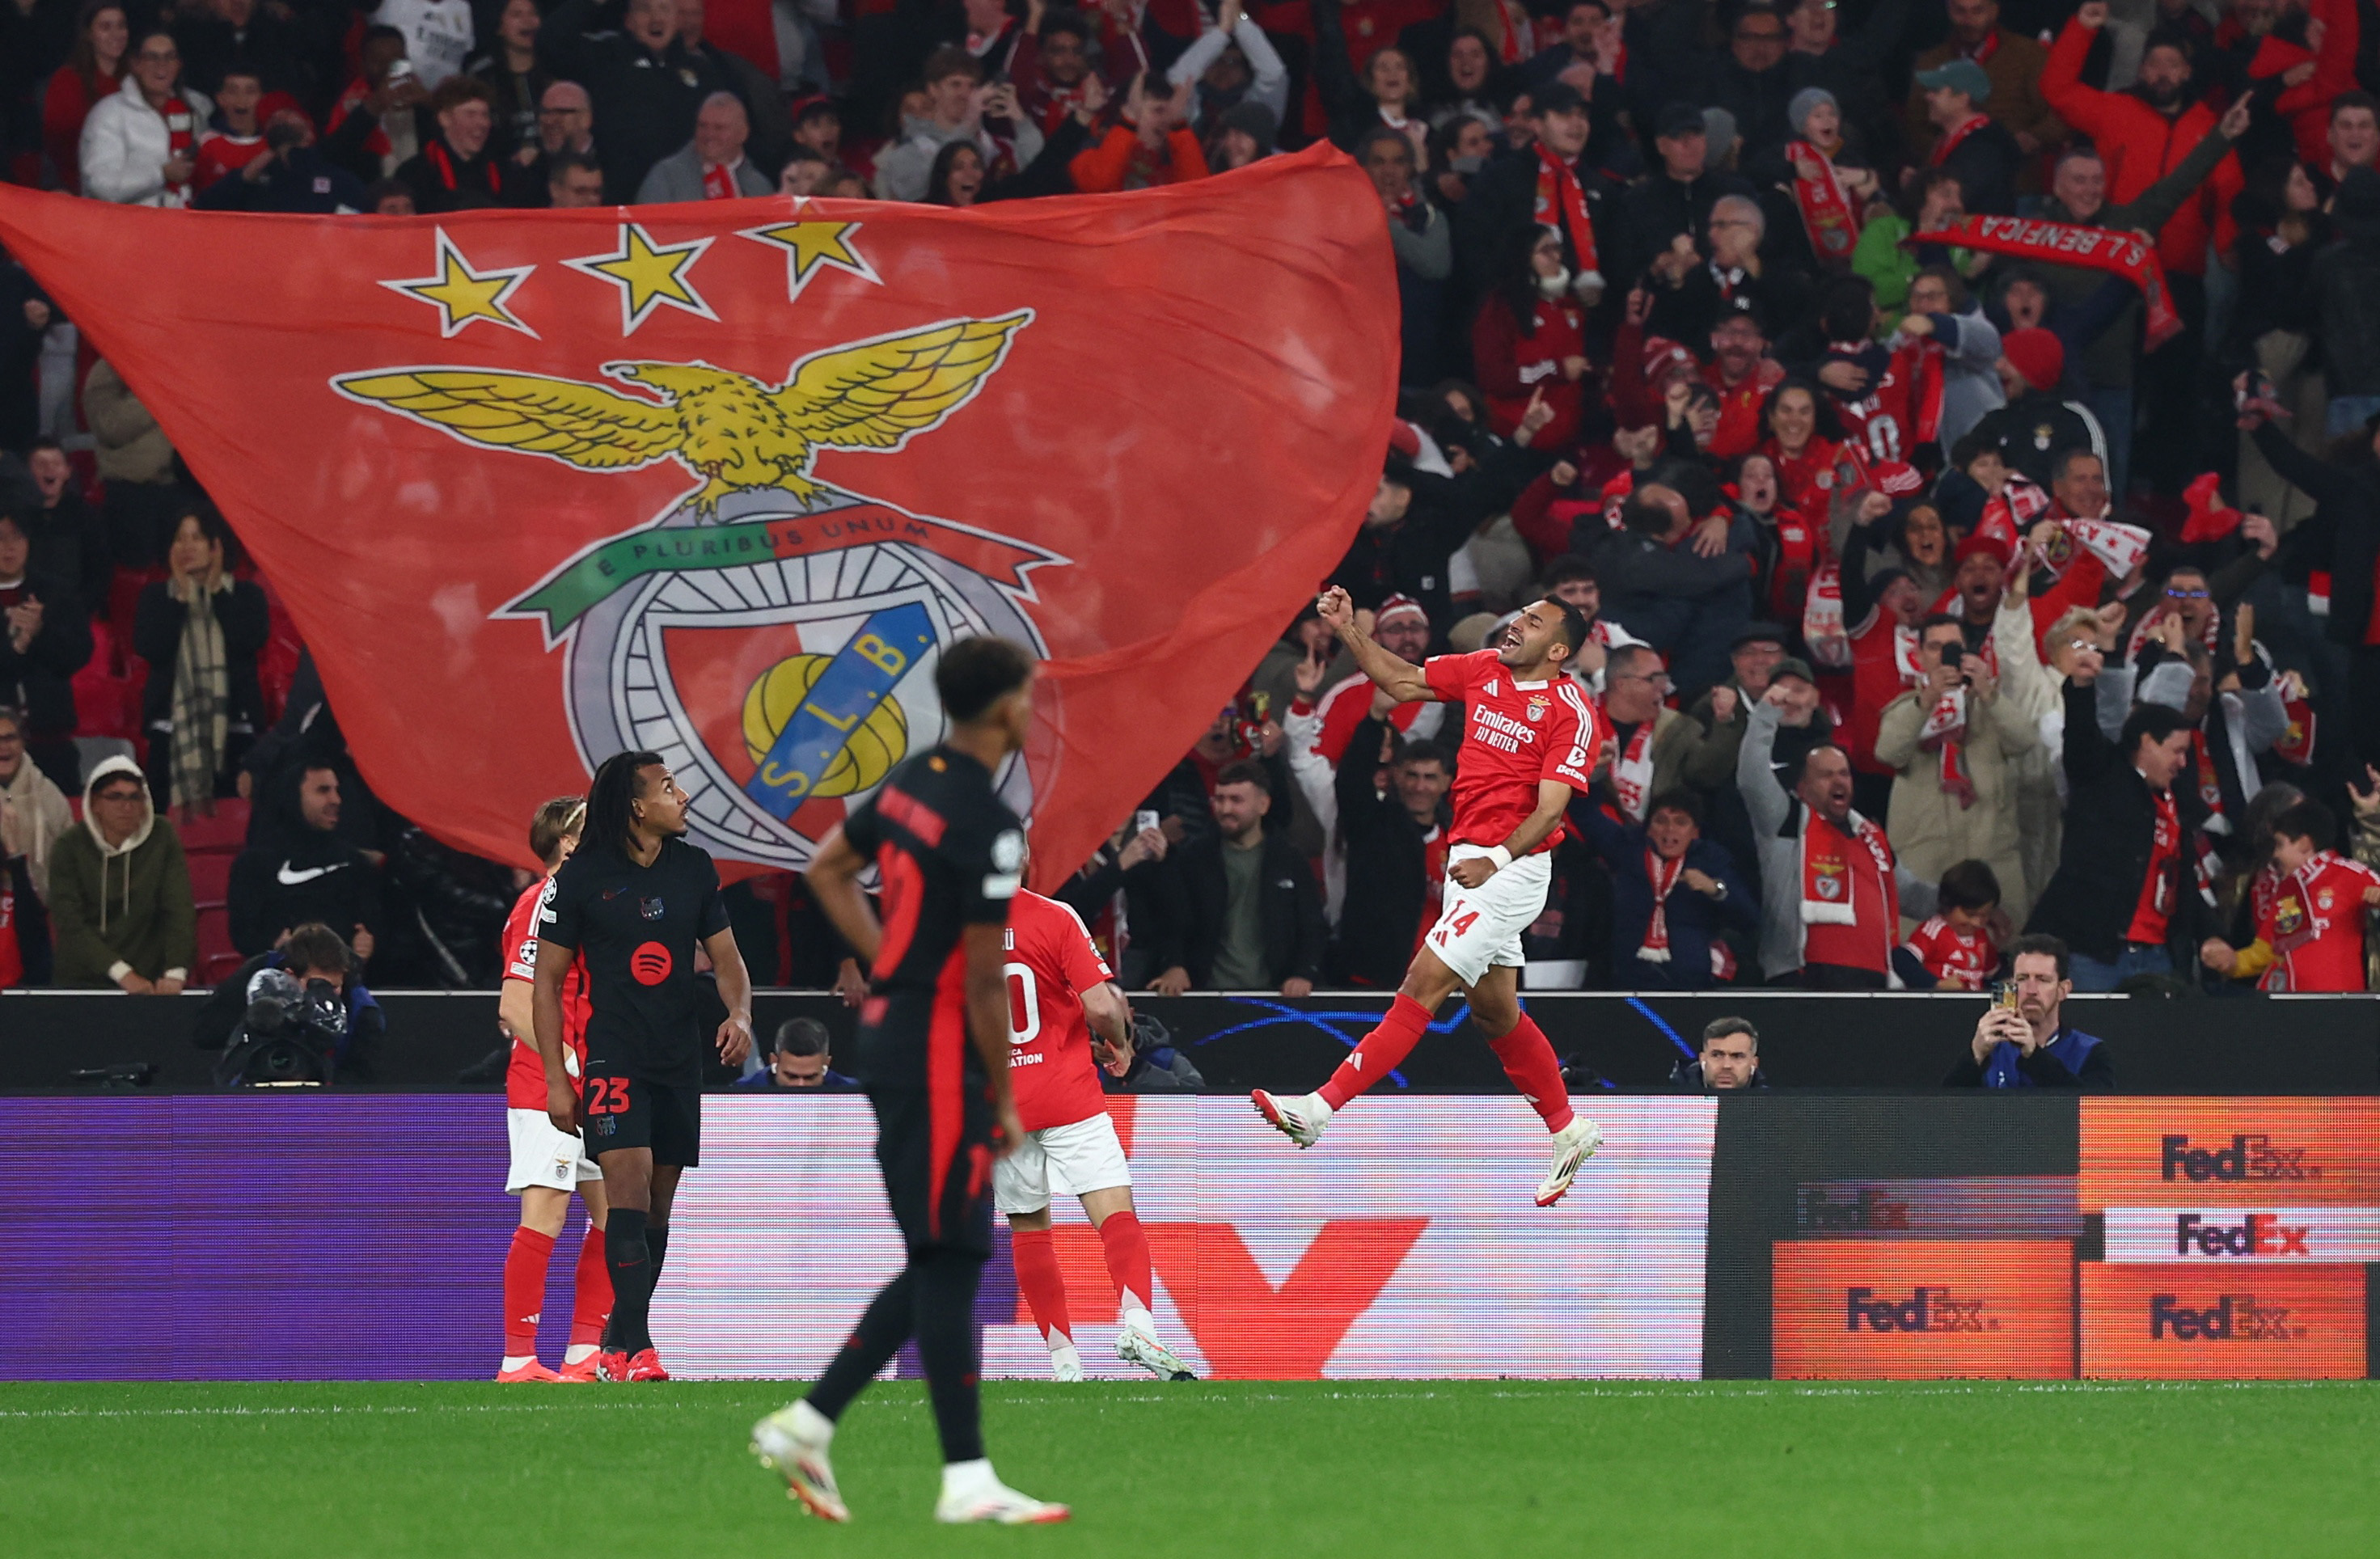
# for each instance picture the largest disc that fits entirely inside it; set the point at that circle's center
(1059, 990)
(548, 1162)
(1532, 740)
(633, 901)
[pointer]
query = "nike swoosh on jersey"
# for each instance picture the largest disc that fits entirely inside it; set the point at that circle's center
(290, 878)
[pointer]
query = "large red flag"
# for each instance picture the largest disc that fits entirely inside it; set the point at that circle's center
(718, 479)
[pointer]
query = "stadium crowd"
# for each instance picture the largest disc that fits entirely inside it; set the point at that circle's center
(1940, 592)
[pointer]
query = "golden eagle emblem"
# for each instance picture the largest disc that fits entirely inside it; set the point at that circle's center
(733, 430)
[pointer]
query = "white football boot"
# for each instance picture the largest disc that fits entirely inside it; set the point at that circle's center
(1574, 1145)
(1300, 1119)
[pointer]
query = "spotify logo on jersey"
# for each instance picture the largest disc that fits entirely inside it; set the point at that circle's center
(650, 964)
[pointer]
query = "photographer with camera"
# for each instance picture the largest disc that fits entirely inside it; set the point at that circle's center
(1954, 781)
(2022, 1040)
(296, 1014)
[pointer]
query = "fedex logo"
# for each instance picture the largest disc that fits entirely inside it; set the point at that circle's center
(2248, 1156)
(2259, 1234)
(2232, 1318)
(1927, 1309)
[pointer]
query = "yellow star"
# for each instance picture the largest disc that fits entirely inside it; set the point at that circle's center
(648, 275)
(811, 245)
(462, 294)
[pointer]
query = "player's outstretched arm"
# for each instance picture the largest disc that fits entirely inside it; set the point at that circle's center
(734, 1037)
(1402, 680)
(833, 876)
(987, 1008)
(554, 961)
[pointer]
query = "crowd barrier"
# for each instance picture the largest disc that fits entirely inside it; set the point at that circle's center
(2027, 1236)
(2245, 1045)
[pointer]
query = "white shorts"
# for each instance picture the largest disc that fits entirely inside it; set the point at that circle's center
(1069, 1160)
(543, 1156)
(1479, 928)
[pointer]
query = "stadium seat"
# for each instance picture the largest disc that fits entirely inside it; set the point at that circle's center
(226, 831)
(210, 878)
(218, 959)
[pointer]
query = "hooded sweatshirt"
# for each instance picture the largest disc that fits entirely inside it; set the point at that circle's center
(126, 908)
(293, 874)
(34, 816)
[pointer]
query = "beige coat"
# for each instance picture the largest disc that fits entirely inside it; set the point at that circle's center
(131, 446)
(34, 813)
(1930, 831)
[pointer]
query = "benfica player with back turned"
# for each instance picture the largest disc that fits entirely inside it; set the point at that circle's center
(1532, 739)
(634, 902)
(933, 1056)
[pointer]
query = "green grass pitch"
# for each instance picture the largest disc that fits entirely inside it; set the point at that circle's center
(1232, 1469)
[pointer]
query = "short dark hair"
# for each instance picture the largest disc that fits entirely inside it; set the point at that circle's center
(1719, 1027)
(801, 1036)
(1644, 517)
(1847, 311)
(1679, 800)
(1567, 567)
(2170, 37)
(2185, 568)
(554, 821)
(2156, 723)
(2065, 458)
(1969, 885)
(1066, 18)
(1573, 629)
(2365, 101)
(572, 162)
(2040, 944)
(949, 60)
(315, 946)
(1421, 749)
(977, 672)
(824, 108)
(2307, 818)
(1621, 660)
(1939, 619)
(1244, 771)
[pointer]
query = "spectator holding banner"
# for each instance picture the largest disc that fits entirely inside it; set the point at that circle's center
(2026, 1042)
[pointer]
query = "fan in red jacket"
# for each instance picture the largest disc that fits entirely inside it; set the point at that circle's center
(1529, 341)
(2144, 135)
(2309, 933)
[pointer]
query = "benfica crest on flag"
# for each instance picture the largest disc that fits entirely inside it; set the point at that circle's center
(721, 480)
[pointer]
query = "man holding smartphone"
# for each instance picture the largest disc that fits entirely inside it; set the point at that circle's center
(2023, 1040)
(1954, 781)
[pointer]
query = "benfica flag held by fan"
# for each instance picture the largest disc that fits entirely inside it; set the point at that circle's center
(719, 480)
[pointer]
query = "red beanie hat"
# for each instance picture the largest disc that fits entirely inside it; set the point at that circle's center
(2037, 355)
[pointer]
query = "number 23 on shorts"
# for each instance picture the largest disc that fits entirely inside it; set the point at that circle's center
(607, 1096)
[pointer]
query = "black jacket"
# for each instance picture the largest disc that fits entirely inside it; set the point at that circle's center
(291, 874)
(2033, 430)
(1157, 911)
(2349, 499)
(442, 179)
(40, 680)
(2110, 825)
(157, 624)
(1387, 885)
(645, 102)
(1292, 910)
(1658, 210)
(1410, 557)
(1688, 1076)
(2346, 287)
(302, 180)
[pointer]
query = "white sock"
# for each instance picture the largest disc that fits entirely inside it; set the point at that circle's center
(968, 1478)
(1061, 1350)
(1139, 1320)
(812, 1424)
(517, 1362)
(579, 1353)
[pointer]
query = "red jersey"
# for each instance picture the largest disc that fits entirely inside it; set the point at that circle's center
(525, 1073)
(1344, 707)
(221, 155)
(1050, 962)
(2315, 926)
(1949, 953)
(1519, 734)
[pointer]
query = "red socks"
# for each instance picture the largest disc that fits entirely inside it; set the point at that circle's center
(525, 1290)
(1529, 1063)
(1382, 1051)
(1044, 1286)
(1125, 1244)
(592, 1303)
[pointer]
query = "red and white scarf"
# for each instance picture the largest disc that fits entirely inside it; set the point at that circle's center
(181, 141)
(1946, 732)
(2061, 243)
(2153, 619)
(1827, 896)
(1981, 53)
(1561, 205)
(719, 180)
(1822, 619)
(1826, 211)
(1631, 772)
(1663, 876)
